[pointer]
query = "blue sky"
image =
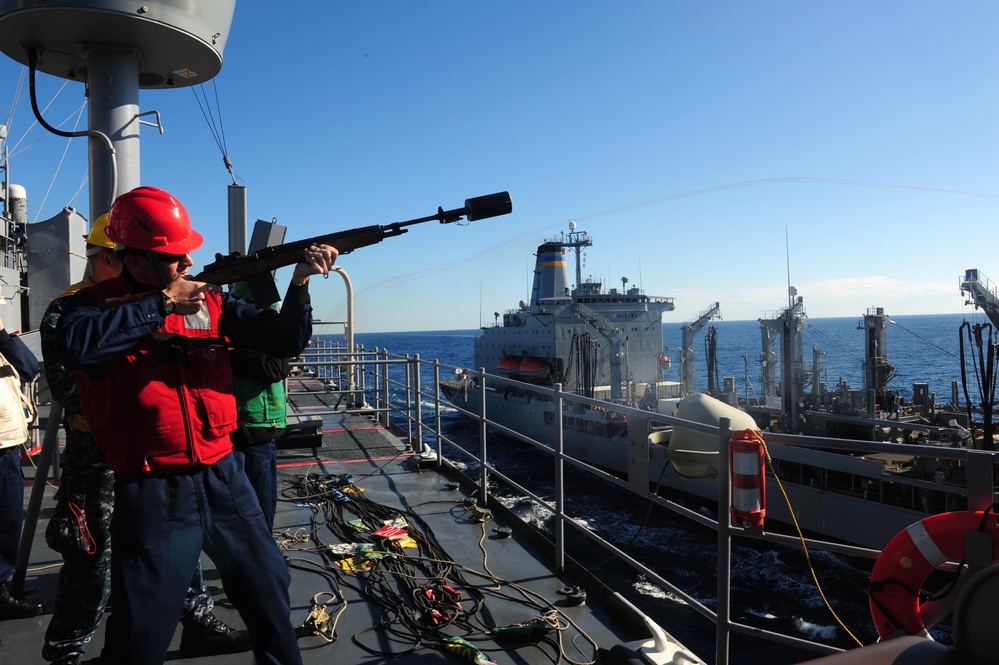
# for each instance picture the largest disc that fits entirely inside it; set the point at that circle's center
(715, 151)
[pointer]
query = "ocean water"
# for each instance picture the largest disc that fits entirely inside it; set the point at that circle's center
(923, 348)
(772, 586)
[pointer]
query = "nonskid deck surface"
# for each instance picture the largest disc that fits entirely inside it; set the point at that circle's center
(502, 581)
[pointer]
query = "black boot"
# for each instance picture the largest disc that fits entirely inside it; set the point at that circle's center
(209, 637)
(14, 608)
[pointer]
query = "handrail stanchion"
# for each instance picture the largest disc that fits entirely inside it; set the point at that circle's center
(418, 391)
(437, 411)
(408, 387)
(724, 542)
(557, 445)
(363, 378)
(483, 473)
(385, 389)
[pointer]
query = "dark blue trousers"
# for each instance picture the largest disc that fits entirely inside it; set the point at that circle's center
(260, 461)
(161, 524)
(11, 509)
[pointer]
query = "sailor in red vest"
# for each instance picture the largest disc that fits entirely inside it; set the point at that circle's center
(151, 353)
(80, 526)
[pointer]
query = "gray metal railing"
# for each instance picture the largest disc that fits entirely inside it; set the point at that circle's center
(396, 391)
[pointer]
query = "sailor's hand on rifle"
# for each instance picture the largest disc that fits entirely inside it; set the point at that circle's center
(185, 296)
(316, 260)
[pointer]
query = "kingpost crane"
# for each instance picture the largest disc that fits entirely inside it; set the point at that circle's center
(687, 334)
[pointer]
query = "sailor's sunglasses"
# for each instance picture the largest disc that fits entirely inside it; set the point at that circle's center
(169, 258)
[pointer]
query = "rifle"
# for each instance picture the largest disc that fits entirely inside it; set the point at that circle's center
(235, 267)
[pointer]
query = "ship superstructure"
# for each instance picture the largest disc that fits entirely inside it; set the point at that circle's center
(596, 342)
(601, 343)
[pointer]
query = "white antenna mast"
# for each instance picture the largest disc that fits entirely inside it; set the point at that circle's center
(787, 258)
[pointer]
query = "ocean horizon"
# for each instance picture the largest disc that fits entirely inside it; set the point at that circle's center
(923, 348)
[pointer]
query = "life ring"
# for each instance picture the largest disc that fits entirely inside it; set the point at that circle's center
(908, 559)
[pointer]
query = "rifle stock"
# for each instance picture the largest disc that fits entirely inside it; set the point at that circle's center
(236, 268)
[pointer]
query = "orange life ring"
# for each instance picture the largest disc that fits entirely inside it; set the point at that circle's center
(908, 559)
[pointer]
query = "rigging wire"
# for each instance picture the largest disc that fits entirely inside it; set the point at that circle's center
(924, 340)
(62, 159)
(19, 92)
(215, 126)
(21, 145)
(826, 338)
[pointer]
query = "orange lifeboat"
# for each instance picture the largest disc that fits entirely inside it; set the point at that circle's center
(508, 365)
(534, 368)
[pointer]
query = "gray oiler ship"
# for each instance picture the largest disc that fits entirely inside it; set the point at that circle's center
(606, 346)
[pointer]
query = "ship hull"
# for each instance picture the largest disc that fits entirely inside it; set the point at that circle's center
(827, 490)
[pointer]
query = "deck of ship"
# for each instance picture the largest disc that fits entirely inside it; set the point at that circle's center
(508, 572)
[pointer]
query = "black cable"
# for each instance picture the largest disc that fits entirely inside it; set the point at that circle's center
(32, 54)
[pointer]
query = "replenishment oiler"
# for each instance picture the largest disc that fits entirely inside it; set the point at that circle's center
(606, 346)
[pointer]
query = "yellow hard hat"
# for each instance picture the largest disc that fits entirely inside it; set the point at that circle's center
(98, 237)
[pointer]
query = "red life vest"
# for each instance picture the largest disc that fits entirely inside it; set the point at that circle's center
(162, 406)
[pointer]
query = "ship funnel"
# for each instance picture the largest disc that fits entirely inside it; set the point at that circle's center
(550, 279)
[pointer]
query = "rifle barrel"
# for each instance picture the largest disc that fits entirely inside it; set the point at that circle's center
(234, 268)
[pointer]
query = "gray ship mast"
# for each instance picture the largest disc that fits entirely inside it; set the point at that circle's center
(877, 370)
(115, 48)
(787, 326)
(577, 241)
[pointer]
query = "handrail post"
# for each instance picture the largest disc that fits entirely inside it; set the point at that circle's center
(483, 474)
(418, 391)
(557, 445)
(385, 389)
(359, 369)
(376, 393)
(724, 543)
(409, 402)
(437, 411)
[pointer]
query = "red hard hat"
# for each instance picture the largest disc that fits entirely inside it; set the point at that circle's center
(149, 218)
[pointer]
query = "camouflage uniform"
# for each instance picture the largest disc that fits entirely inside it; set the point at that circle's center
(80, 525)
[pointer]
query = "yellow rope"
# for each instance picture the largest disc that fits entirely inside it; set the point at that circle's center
(770, 464)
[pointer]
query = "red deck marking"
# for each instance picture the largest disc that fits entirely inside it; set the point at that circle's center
(353, 429)
(313, 462)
